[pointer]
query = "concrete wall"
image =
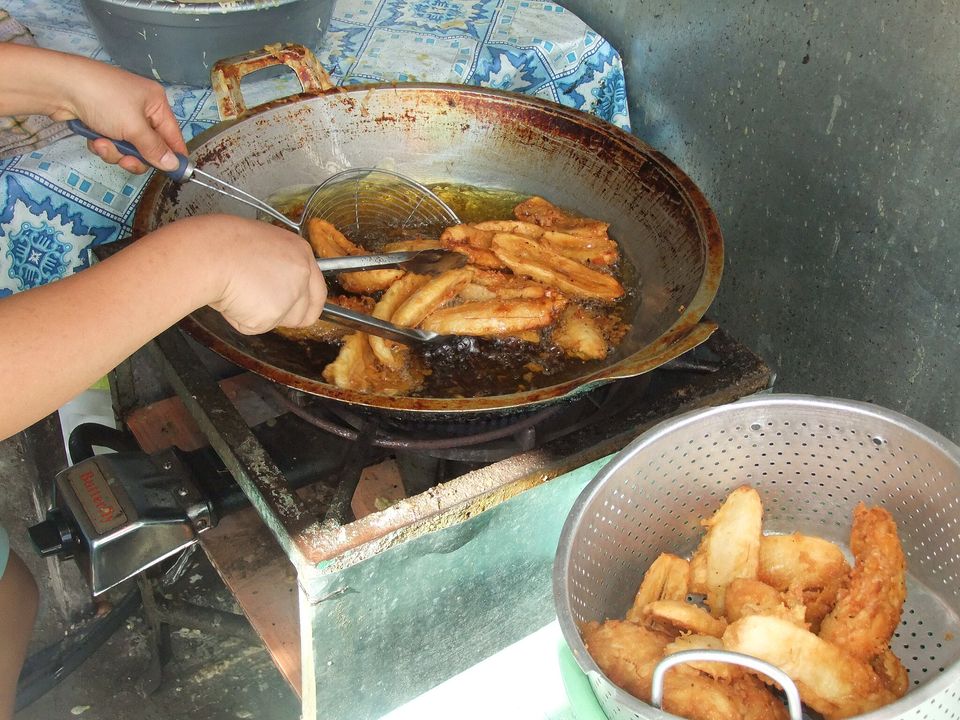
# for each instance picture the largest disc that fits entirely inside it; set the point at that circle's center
(827, 137)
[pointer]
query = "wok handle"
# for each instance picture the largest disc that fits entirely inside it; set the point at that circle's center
(734, 658)
(226, 74)
(644, 362)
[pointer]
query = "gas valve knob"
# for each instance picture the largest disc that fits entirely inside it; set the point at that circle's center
(53, 536)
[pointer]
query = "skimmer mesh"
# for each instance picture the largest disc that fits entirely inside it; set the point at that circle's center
(812, 460)
(372, 206)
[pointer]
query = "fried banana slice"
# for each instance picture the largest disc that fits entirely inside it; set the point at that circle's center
(516, 227)
(831, 681)
(667, 578)
(473, 243)
(626, 653)
(414, 245)
(392, 354)
(547, 215)
(689, 693)
(892, 672)
(493, 318)
(526, 257)
(430, 296)
(868, 608)
(812, 565)
(752, 597)
(506, 286)
(352, 367)
(323, 331)
(578, 335)
(327, 241)
(730, 549)
(368, 282)
(716, 670)
(679, 616)
(596, 250)
(356, 368)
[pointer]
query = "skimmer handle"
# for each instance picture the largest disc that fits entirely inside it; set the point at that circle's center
(186, 171)
(734, 658)
(180, 174)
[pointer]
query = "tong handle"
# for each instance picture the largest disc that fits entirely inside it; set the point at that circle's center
(364, 262)
(180, 174)
(375, 326)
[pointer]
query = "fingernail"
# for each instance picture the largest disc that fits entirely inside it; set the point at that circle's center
(169, 161)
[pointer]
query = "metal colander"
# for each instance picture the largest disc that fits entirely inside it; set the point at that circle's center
(812, 460)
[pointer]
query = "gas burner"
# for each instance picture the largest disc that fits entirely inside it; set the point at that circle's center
(471, 438)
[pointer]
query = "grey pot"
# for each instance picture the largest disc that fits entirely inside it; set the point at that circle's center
(177, 42)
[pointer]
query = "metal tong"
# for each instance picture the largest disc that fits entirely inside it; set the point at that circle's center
(422, 262)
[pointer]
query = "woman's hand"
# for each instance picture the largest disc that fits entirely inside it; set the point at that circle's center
(269, 276)
(111, 101)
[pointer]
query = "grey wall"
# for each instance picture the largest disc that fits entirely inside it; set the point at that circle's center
(826, 137)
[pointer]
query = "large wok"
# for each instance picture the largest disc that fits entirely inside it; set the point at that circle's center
(480, 137)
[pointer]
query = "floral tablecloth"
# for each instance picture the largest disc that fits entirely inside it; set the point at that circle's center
(58, 201)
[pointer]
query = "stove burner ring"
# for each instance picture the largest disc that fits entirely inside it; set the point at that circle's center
(399, 440)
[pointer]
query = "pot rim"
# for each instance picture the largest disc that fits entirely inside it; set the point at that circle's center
(173, 7)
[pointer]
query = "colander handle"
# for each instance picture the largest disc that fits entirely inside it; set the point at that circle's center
(734, 658)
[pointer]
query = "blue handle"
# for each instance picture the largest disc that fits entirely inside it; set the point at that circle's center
(126, 148)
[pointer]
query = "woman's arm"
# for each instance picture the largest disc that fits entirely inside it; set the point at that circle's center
(59, 338)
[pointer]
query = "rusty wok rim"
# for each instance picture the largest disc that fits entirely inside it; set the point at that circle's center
(686, 332)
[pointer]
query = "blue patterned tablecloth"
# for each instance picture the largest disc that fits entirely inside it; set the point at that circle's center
(57, 202)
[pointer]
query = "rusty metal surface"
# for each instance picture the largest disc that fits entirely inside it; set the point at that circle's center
(227, 73)
(478, 137)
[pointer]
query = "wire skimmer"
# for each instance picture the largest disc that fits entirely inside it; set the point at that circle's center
(366, 204)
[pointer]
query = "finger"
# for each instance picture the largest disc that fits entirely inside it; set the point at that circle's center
(153, 147)
(106, 151)
(317, 295)
(132, 165)
(167, 127)
(297, 315)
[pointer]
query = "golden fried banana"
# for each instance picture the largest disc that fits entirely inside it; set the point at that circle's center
(681, 616)
(830, 680)
(596, 250)
(626, 653)
(731, 547)
(391, 354)
(492, 318)
(327, 241)
(517, 227)
(814, 566)
(526, 257)
(430, 296)
(578, 335)
(868, 608)
(667, 578)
